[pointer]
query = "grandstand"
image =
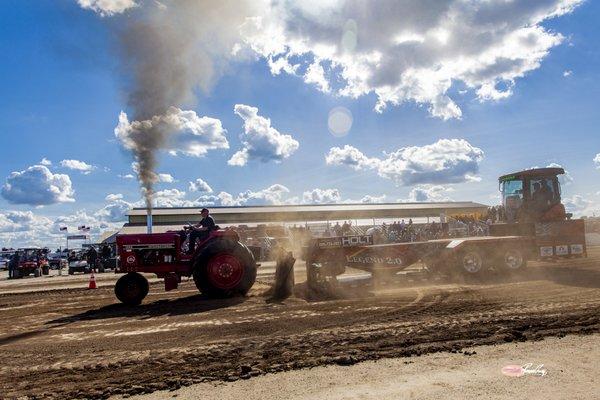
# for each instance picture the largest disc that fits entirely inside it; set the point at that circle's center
(316, 217)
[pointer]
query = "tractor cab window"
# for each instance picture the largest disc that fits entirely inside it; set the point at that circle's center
(512, 197)
(512, 190)
(544, 190)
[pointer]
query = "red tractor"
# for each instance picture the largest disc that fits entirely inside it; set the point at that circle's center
(220, 265)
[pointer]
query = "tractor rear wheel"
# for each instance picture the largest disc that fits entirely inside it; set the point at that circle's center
(46, 270)
(131, 288)
(224, 268)
(37, 272)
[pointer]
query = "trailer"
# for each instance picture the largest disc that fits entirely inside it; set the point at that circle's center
(470, 257)
(535, 227)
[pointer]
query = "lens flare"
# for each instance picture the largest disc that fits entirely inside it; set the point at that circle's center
(339, 121)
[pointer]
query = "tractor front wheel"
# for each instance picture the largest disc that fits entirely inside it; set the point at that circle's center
(131, 288)
(224, 268)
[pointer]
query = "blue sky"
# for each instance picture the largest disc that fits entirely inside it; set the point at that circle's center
(63, 87)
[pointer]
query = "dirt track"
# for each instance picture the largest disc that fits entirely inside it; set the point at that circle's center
(77, 343)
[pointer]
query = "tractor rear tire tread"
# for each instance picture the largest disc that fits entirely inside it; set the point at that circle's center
(218, 246)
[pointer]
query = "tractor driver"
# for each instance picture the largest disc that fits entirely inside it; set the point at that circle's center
(541, 200)
(201, 230)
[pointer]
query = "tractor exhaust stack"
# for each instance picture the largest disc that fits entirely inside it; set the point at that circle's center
(149, 221)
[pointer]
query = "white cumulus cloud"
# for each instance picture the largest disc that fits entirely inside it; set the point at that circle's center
(26, 228)
(579, 205)
(172, 198)
(350, 156)
(373, 199)
(166, 178)
(78, 165)
(37, 186)
(315, 74)
(321, 196)
(107, 7)
(428, 193)
(199, 185)
(260, 140)
(445, 161)
(597, 160)
(399, 51)
(185, 132)
(407, 50)
(115, 210)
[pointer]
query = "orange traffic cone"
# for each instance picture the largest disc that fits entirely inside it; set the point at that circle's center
(92, 284)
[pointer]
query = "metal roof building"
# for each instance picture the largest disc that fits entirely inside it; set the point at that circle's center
(173, 218)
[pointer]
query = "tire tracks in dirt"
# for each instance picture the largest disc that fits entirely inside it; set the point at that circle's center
(78, 344)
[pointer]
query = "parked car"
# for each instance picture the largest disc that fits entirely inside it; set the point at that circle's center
(78, 262)
(57, 260)
(5, 258)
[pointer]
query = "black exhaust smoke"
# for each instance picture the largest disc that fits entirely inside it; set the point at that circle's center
(166, 54)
